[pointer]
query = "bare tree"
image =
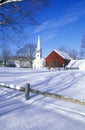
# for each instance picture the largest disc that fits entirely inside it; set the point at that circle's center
(62, 48)
(83, 41)
(73, 54)
(25, 8)
(6, 54)
(15, 14)
(7, 1)
(27, 52)
(82, 50)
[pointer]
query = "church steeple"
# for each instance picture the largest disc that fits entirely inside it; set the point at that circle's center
(38, 50)
(38, 62)
(38, 44)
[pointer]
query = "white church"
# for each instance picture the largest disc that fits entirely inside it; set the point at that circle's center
(38, 62)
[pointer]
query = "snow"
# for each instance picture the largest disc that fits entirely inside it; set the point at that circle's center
(40, 112)
(77, 64)
(8, 1)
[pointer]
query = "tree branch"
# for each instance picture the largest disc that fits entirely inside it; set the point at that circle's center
(7, 1)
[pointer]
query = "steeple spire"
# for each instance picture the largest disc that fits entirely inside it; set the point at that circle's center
(38, 50)
(38, 45)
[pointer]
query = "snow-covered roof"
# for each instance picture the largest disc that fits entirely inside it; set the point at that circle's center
(77, 64)
(63, 54)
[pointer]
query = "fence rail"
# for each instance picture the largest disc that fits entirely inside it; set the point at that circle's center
(58, 96)
(28, 90)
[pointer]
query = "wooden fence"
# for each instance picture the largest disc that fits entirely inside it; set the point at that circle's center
(28, 90)
(58, 96)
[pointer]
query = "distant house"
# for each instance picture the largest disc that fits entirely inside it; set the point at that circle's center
(10, 63)
(23, 63)
(57, 59)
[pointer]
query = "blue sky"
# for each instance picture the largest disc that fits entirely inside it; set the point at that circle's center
(62, 23)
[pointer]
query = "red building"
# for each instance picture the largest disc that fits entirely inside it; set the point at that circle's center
(57, 59)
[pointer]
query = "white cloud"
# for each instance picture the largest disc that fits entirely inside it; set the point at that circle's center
(49, 36)
(71, 15)
(44, 26)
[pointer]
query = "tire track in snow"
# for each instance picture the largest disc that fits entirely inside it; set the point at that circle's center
(69, 112)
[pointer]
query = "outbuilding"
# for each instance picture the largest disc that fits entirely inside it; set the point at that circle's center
(57, 59)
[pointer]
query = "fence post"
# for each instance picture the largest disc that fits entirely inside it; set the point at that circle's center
(27, 90)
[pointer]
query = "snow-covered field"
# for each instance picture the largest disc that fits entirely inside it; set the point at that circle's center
(39, 112)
